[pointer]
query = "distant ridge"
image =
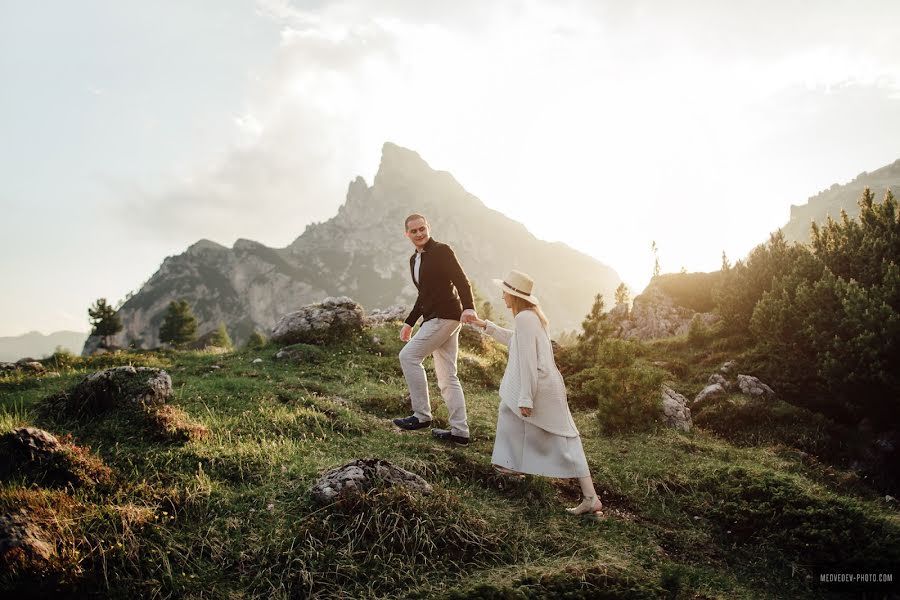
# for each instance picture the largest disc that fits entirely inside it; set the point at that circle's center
(361, 252)
(837, 197)
(37, 345)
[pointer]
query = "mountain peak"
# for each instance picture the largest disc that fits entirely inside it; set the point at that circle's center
(397, 161)
(205, 244)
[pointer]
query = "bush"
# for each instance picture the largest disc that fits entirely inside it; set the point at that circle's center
(624, 390)
(256, 341)
(755, 422)
(699, 333)
(220, 337)
(383, 540)
(767, 511)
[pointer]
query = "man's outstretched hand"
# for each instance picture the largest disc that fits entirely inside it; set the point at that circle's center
(405, 333)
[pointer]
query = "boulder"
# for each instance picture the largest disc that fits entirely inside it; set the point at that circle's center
(710, 392)
(33, 366)
(392, 314)
(751, 386)
(114, 388)
(331, 319)
(44, 459)
(22, 541)
(6, 367)
(720, 379)
(363, 474)
(727, 367)
(675, 410)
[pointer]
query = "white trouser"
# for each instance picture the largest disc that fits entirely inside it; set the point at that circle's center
(440, 338)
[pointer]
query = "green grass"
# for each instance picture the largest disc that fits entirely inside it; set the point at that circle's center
(229, 515)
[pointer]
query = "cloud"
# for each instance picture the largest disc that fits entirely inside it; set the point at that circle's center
(577, 101)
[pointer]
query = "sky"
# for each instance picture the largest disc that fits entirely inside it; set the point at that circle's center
(130, 130)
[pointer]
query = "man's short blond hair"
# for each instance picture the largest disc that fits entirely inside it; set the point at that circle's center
(413, 217)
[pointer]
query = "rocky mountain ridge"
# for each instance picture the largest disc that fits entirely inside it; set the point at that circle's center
(362, 253)
(837, 197)
(36, 344)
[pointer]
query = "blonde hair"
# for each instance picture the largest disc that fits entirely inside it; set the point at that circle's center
(520, 304)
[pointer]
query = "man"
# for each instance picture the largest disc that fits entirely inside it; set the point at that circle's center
(445, 300)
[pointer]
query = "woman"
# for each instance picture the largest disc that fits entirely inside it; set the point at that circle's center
(535, 430)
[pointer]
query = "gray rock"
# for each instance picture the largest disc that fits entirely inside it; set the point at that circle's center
(6, 367)
(727, 367)
(256, 361)
(45, 460)
(33, 366)
(318, 323)
(363, 474)
(675, 410)
(751, 386)
(718, 378)
(392, 314)
(119, 387)
(654, 315)
(710, 392)
(35, 441)
(19, 533)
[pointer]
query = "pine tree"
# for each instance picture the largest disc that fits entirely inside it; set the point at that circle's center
(256, 340)
(220, 337)
(179, 324)
(623, 294)
(105, 321)
(596, 326)
(655, 249)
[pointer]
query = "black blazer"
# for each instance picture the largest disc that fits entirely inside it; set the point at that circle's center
(444, 290)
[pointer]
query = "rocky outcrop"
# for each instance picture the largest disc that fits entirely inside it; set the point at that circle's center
(720, 385)
(751, 386)
(22, 541)
(361, 253)
(710, 392)
(380, 316)
(318, 323)
(119, 387)
(655, 315)
(27, 365)
(363, 474)
(845, 197)
(43, 459)
(675, 410)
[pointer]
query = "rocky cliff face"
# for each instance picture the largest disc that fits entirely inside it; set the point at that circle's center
(655, 315)
(837, 197)
(362, 253)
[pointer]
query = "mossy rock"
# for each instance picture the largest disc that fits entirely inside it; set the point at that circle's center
(112, 389)
(45, 460)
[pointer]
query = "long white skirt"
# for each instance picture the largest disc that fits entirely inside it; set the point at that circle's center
(526, 448)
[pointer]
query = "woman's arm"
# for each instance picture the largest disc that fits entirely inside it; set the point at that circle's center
(528, 327)
(500, 334)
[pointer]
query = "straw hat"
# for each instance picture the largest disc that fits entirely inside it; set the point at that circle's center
(518, 284)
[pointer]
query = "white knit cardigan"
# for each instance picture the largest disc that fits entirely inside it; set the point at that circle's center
(531, 379)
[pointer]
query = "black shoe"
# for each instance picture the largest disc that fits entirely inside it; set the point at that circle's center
(444, 434)
(411, 423)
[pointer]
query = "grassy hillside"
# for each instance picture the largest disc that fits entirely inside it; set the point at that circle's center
(228, 515)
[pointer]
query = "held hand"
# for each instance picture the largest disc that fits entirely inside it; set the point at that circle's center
(405, 333)
(526, 412)
(468, 315)
(478, 322)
